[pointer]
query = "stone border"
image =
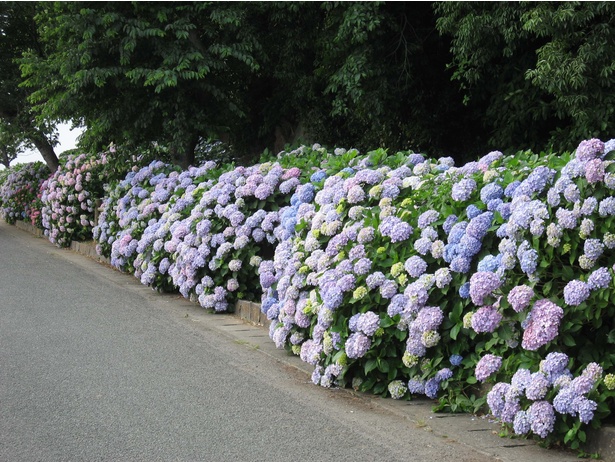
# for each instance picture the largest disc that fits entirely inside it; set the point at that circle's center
(251, 312)
(28, 227)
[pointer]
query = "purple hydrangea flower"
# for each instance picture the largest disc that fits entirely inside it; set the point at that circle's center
(543, 324)
(519, 297)
(357, 345)
(599, 279)
(346, 283)
(388, 289)
(594, 171)
(368, 323)
(593, 248)
(607, 207)
(362, 266)
(542, 418)
(496, 398)
(416, 386)
(538, 386)
(422, 245)
(589, 149)
(554, 364)
(415, 266)
(483, 284)
(576, 292)
(487, 366)
(460, 264)
(428, 319)
(397, 305)
(375, 280)
(455, 360)
(427, 218)
(486, 319)
(584, 408)
(332, 298)
(535, 182)
(521, 379)
(310, 352)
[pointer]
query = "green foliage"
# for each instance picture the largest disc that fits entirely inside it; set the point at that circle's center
(540, 72)
(17, 127)
(135, 72)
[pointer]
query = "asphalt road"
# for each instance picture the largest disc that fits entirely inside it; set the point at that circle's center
(94, 366)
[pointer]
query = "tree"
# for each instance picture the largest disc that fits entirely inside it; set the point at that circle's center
(10, 146)
(251, 73)
(139, 72)
(18, 35)
(540, 72)
(383, 69)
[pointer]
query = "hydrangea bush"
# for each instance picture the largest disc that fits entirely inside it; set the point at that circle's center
(129, 206)
(69, 198)
(20, 193)
(425, 278)
(202, 231)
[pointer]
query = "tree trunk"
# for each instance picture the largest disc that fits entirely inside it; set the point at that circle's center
(46, 150)
(184, 155)
(5, 160)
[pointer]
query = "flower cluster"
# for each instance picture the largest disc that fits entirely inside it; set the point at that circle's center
(20, 193)
(69, 199)
(398, 238)
(524, 402)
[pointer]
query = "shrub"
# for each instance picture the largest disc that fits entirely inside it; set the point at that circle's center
(69, 198)
(443, 277)
(20, 193)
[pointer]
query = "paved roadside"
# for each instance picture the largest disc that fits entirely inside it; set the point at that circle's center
(442, 436)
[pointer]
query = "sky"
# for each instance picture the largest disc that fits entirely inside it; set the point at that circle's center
(67, 139)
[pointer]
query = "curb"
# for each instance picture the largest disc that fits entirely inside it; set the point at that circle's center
(600, 441)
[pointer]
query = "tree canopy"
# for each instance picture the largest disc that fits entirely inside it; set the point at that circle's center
(450, 78)
(18, 35)
(542, 73)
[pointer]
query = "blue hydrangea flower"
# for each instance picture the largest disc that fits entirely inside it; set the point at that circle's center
(463, 189)
(491, 191)
(448, 223)
(416, 386)
(464, 290)
(473, 211)
(478, 226)
(432, 386)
